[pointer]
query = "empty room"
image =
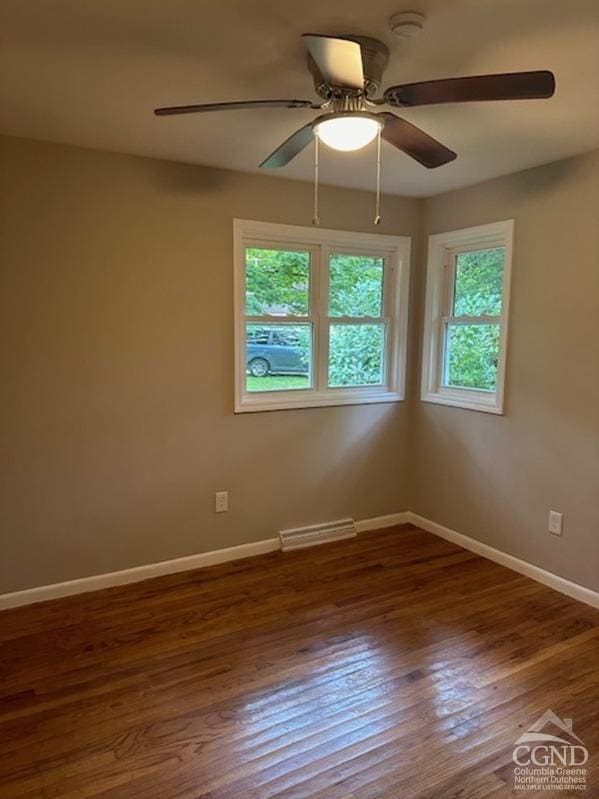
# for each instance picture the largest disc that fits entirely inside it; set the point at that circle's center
(299, 483)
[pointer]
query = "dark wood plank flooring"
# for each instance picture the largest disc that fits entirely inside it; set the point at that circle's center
(392, 666)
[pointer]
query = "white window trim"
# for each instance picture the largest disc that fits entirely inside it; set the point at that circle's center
(441, 249)
(395, 250)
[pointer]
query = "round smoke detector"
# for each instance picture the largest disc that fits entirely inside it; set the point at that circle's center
(407, 24)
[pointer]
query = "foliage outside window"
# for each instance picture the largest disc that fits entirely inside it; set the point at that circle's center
(320, 316)
(466, 317)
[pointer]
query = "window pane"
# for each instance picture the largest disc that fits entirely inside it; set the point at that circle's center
(277, 282)
(278, 357)
(471, 353)
(355, 285)
(356, 355)
(478, 282)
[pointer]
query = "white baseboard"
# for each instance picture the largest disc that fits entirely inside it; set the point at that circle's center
(138, 573)
(586, 595)
(380, 522)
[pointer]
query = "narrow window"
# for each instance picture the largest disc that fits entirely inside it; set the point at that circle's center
(466, 317)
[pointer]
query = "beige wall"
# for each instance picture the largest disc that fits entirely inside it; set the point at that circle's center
(117, 377)
(117, 370)
(495, 478)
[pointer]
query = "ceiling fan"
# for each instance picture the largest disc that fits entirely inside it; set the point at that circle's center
(347, 73)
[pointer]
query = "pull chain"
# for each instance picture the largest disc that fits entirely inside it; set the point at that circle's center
(316, 220)
(377, 210)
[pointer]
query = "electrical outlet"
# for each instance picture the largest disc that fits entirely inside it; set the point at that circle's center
(221, 501)
(556, 522)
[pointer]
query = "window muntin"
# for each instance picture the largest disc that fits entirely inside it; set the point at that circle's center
(321, 316)
(466, 317)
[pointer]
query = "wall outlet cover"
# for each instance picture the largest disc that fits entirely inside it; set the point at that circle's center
(221, 501)
(556, 522)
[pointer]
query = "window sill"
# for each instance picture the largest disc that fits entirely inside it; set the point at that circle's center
(261, 403)
(472, 401)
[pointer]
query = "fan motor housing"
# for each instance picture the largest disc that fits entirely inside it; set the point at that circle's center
(375, 57)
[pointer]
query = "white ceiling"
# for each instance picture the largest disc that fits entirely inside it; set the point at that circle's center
(90, 73)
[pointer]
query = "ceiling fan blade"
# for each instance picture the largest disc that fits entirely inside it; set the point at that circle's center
(415, 142)
(509, 86)
(241, 104)
(290, 148)
(339, 60)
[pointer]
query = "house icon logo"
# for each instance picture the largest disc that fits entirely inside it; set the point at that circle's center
(535, 732)
(550, 755)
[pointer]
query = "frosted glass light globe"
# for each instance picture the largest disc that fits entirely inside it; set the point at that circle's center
(347, 132)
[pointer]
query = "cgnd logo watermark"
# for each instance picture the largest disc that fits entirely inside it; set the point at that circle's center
(551, 761)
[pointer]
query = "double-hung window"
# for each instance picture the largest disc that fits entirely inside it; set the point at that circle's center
(466, 316)
(321, 316)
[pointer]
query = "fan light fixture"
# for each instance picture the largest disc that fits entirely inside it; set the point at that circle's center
(346, 132)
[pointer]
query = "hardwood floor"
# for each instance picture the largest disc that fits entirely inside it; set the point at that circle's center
(392, 666)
